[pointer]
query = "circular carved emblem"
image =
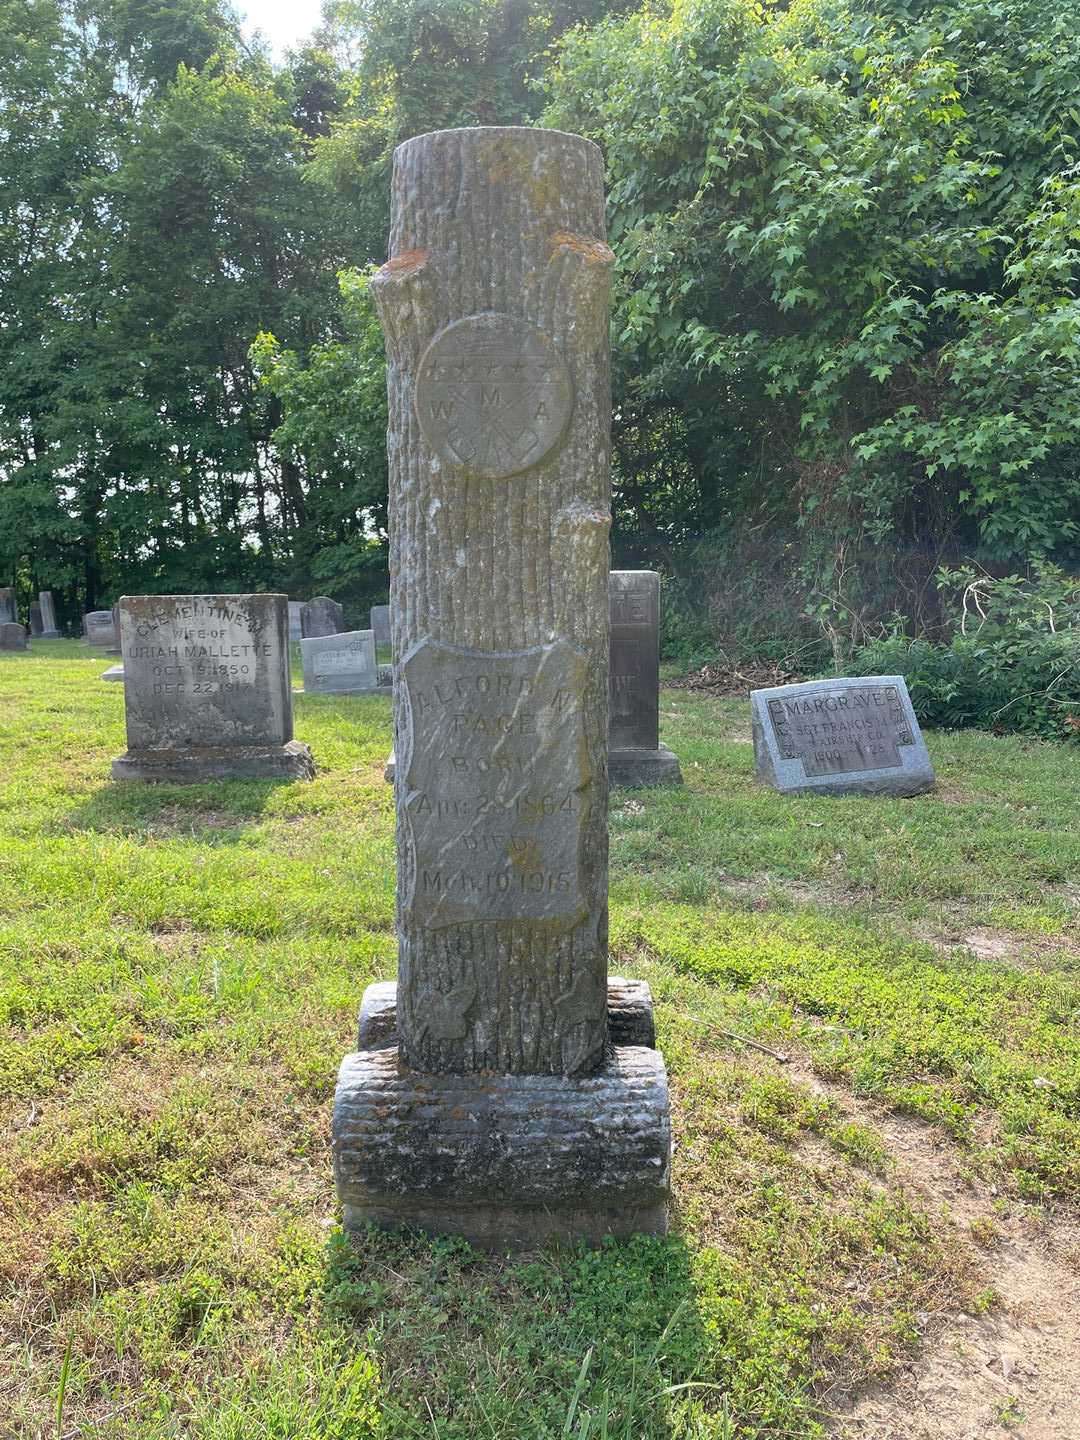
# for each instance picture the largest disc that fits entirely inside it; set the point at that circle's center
(493, 393)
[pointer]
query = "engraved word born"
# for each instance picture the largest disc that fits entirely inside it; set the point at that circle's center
(493, 393)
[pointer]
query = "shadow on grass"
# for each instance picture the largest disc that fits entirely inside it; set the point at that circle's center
(599, 1342)
(217, 814)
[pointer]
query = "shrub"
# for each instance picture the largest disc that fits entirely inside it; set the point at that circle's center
(1013, 662)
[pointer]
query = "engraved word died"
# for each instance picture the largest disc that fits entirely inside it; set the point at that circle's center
(494, 394)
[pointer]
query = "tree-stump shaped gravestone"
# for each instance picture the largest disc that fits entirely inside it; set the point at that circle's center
(502, 1112)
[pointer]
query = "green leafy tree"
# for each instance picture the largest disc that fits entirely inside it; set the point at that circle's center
(847, 236)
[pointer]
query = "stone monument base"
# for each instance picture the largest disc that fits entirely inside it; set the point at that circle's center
(506, 1161)
(114, 672)
(291, 761)
(636, 769)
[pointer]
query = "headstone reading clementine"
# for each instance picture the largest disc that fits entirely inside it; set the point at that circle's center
(503, 1113)
(207, 694)
(636, 756)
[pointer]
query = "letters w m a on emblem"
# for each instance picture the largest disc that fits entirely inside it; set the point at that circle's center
(494, 394)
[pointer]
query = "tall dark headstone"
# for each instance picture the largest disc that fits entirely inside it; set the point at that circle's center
(296, 621)
(636, 756)
(36, 626)
(501, 1113)
(48, 616)
(207, 693)
(321, 616)
(8, 614)
(840, 737)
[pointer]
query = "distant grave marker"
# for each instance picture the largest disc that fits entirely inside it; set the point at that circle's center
(48, 616)
(8, 614)
(13, 636)
(36, 626)
(636, 756)
(207, 694)
(341, 664)
(321, 616)
(99, 630)
(849, 736)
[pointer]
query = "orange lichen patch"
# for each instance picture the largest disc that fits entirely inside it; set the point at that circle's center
(403, 264)
(595, 252)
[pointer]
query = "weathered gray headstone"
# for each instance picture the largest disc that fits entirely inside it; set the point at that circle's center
(35, 618)
(99, 629)
(321, 616)
(503, 1114)
(48, 616)
(341, 664)
(379, 620)
(114, 648)
(636, 756)
(296, 621)
(8, 613)
(207, 694)
(13, 636)
(840, 737)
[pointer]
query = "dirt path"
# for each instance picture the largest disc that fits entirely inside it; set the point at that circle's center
(1012, 1372)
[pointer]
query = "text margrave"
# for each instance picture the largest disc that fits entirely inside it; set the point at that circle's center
(497, 784)
(837, 731)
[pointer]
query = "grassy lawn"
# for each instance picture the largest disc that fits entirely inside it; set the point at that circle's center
(180, 970)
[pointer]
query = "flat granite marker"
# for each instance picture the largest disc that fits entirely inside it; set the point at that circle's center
(100, 630)
(321, 616)
(48, 616)
(636, 756)
(8, 614)
(13, 636)
(340, 664)
(207, 694)
(840, 737)
(503, 1113)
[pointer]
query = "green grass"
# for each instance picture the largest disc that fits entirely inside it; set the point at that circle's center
(180, 969)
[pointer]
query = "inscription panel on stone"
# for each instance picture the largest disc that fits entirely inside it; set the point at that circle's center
(496, 784)
(836, 732)
(493, 393)
(204, 670)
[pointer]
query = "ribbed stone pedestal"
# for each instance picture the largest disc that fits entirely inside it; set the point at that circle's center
(507, 1161)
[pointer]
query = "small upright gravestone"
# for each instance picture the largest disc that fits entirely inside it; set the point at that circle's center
(340, 664)
(48, 616)
(636, 756)
(12, 636)
(492, 1103)
(321, 616)
(7, 605)
(379, 620)
(296, 624)
(36, 626)
(840, 737)
(100, 630)
(206, 690)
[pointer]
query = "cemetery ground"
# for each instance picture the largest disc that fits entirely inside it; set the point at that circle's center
(868, 1010)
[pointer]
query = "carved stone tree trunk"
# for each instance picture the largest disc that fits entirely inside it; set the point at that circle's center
(495, 308)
